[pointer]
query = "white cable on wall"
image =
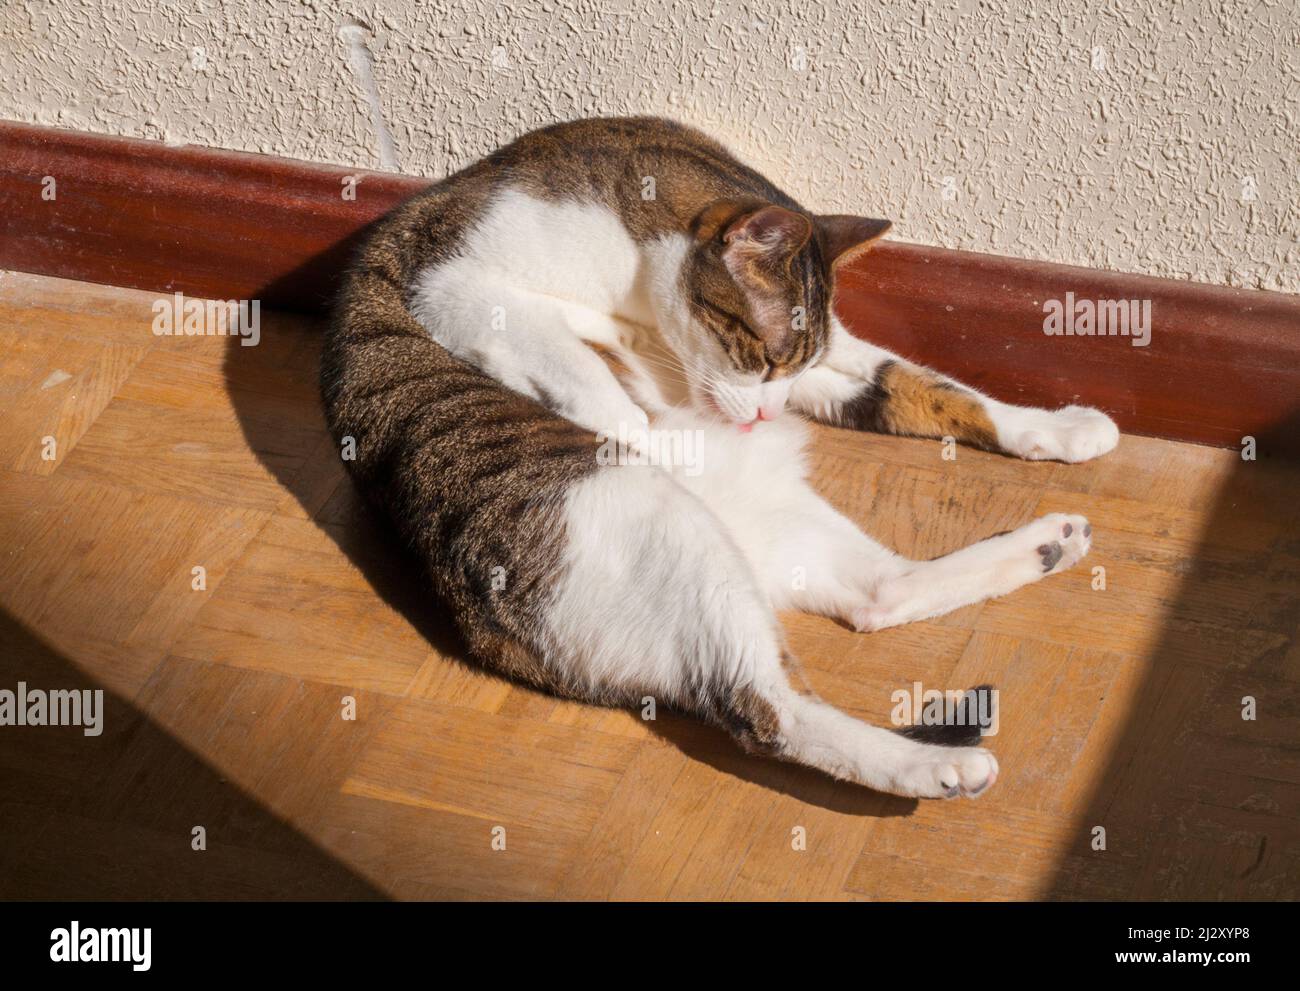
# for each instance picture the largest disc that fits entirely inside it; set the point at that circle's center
(354, 35)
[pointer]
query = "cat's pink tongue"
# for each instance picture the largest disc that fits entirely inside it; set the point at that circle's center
(745, 428)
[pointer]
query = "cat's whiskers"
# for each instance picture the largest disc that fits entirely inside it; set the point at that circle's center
(681, 373)
(666, 361)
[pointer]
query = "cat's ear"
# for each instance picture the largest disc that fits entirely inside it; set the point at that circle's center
(847, 236)
(771, 232)
(752, 230)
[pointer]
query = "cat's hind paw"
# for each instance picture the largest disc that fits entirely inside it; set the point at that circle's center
(1065, 540)
(948, 772)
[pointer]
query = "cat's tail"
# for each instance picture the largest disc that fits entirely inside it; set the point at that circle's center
(964, 723)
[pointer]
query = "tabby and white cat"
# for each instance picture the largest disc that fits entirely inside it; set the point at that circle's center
(496, 328)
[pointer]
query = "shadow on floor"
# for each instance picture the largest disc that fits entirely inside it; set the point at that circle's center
(1197, 802)
(110, 817)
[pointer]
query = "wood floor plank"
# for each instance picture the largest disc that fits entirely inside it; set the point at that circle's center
(127, 589)
(50, 397)
(605, 855)
(295, 604)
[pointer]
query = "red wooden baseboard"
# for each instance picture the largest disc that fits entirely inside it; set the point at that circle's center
(1222, 364)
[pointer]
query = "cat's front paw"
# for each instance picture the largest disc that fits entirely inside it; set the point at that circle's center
(1072, 434)
(615, 418)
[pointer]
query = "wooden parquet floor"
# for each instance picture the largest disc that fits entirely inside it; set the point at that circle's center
(1121, 708)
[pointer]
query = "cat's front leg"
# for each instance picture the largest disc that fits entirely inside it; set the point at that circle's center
(573, 384)
(1072, 434)
(864, 387)
(536, 350)
(609, 412)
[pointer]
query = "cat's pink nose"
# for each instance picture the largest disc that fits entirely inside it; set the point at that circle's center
(770, 411)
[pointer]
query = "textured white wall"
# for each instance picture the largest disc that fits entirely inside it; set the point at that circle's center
(1134, 135)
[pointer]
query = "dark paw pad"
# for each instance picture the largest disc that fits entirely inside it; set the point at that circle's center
(976, 792)
(1051, 555)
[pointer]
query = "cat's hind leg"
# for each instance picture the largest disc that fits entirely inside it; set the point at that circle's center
(771, 717)
(984, 570)
(824, 564)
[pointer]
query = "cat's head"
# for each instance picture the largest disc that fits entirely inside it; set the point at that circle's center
(757, 286)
